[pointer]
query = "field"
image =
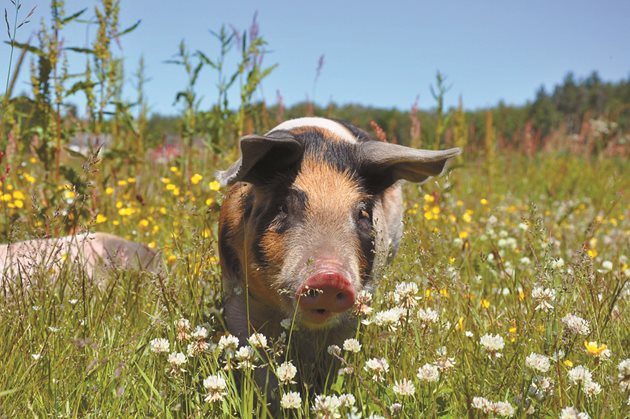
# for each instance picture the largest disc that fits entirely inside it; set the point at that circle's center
(509, 297)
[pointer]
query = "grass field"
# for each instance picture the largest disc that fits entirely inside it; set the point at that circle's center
(475, 317)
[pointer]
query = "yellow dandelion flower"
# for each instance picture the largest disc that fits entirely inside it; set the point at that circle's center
(144, 223)
(109, 190)
(435, 210)
(122, 182)
(174, 169)
(521, 295)
(568, 363)
(428, 215)
(171, 259)
(33, 160)
(593, 349)
(165, 180)
(176, 191)
(18, 195)
(6, 197)
(162, 210)
(152, 245)
(119, 204)
(29, 178)
(512, 329)
(460, 324)
(170, 187)
(100, 219)
(463, 235)
(592, 253)
(467, 217)
(131, 179)
(459, 203)
(9, 187)
(18, 203)
(206, 233)
(196, 178)
(209, 202)
(483, 201)
(69, 194)
(485, 303)
(429, 198)
(214, 185)
(444, 292)
(116, 222)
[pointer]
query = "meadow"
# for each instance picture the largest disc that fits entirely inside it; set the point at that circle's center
(509, 297)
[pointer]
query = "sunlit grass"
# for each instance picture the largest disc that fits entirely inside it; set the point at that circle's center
(494, 268)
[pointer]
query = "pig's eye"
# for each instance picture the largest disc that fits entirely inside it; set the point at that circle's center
(363, 215)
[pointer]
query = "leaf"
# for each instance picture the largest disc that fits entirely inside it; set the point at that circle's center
(81, 50)
(205, 59)
(8, 392)
(27, 47)
(6, 19)
(74, 153)
(72, 17)
(80, 85)
(129, 29)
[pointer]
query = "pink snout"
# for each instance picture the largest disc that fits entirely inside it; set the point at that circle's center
(323, 295)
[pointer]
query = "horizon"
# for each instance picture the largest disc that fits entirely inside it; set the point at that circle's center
(492, 52)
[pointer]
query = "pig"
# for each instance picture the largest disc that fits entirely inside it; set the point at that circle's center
(312, 215)
(21, 262)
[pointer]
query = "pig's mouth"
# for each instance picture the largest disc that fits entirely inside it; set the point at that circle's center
(323, 297)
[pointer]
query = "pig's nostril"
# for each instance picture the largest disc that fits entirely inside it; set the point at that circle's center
(320, 310)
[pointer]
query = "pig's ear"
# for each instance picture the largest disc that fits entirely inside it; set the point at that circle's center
(262, 157)
(385, 163)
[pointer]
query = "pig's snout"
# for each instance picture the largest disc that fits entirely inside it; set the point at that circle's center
(323, 295)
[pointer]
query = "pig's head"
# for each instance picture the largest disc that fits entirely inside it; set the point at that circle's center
(310, 225)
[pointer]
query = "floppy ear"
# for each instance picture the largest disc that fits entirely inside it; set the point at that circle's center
(262, 156)
(384, 163)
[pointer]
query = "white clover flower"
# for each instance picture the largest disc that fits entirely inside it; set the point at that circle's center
(36, 357)
(444, 363)
(607, 266)
(378, 367)
(427, 316)
(492, 344)
(405, 295)
(481, 403)
(390, 318)
(216, 386)
(538, 362)
(286, 372)
(557, 263)
(197, 347)
(469, 334)
(334, 350)
(346, 400)
(159, 345)
(591, 388)
(257, 340)
(580, 375)
(525, 261)
(228, 344)
(504, 409)
(576, 324)
(541, 387)
(245, 357)
(572, 413)
(429, 373)
(395, 408)
(624, 374)
(326, 406)
(182, 329)
(177, 359)
(351, 345)
(199, 333)
(291, 400)
(362, 304)
(544, 297)
(404, 388)
(73, 301)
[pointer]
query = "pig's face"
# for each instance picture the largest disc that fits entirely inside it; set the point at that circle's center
(311, 215)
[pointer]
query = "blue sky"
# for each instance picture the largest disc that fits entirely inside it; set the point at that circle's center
(380, 53)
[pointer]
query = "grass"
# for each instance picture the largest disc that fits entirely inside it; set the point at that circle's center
(70, 348)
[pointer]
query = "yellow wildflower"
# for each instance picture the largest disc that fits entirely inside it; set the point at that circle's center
(18, 203)
(109, 190)
(29, 178)
(483, 201)
(209, 202)
(485, 303)
(171, 259)
(152, 245)
(100, 219)
(144, 223)
(214, 185)
(18, 195)
(568, 363)
(122, 182)
(429, 198)
(593, 349)
(463, 235)
(196, 178)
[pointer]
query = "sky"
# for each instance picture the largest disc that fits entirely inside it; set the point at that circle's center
(376, 53)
